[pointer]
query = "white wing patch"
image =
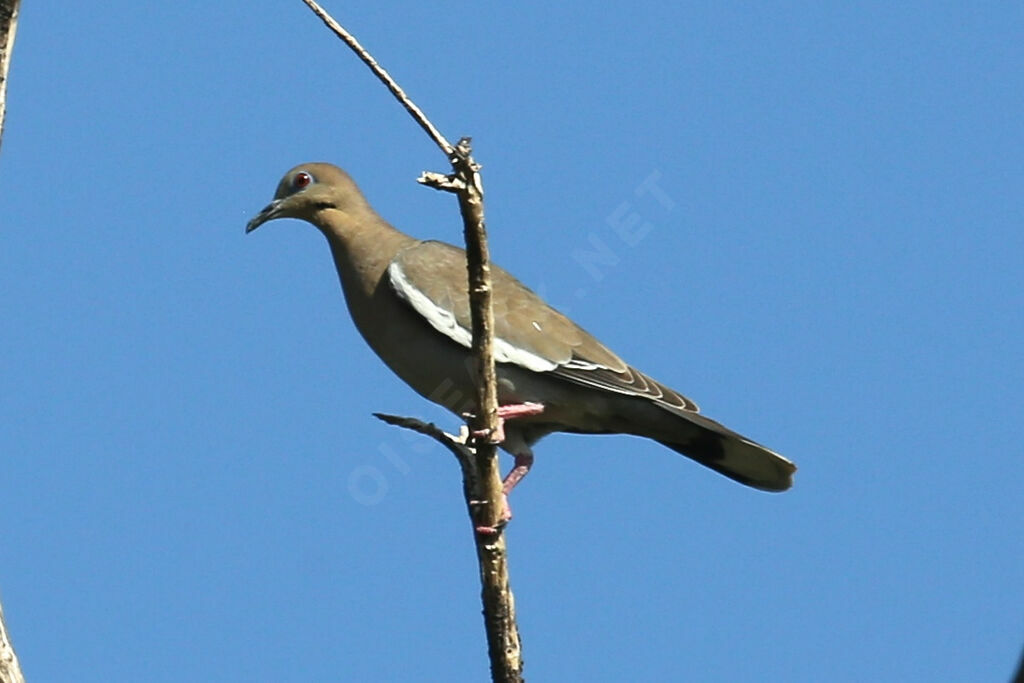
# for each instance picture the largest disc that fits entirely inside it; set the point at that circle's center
(444, 322)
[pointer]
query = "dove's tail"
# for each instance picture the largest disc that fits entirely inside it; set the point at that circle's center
(727, 452)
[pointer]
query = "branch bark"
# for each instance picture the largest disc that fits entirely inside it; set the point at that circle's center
(8, 27)
(478, 459)
(10, 670)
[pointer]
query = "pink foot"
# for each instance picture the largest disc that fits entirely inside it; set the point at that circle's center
(511, 411)
(503, 520)
(514, 410)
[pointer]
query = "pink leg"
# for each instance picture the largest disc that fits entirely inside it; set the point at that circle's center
(519, 470)
(524, 461)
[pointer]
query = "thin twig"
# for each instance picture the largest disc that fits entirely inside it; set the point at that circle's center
(8, 28)
(384, 77)
(456, 444)
(479, 462)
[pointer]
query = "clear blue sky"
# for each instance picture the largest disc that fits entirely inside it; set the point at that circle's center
(193, 487)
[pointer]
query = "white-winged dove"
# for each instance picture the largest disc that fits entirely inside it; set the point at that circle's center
(409, 300)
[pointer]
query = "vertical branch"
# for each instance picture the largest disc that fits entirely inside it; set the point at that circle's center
(503, 644)
(8, 27)
(470, 191)
(10, 670)
(482, 484)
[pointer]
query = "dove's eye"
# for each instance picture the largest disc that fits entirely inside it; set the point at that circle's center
(301, 180)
